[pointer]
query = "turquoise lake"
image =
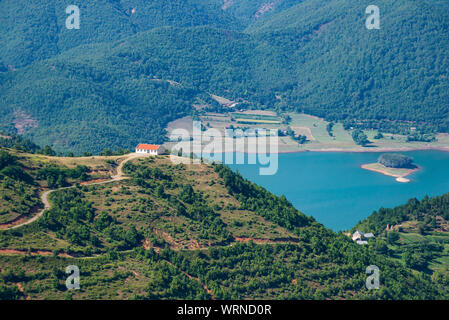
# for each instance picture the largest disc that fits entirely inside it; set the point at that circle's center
(338, 193)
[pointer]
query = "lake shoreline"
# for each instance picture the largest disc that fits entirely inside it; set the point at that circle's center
(368, 150)
(400, 177)
(334, 189)
(342, 150)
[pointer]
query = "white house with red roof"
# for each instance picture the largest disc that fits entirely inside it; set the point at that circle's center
(152, 149)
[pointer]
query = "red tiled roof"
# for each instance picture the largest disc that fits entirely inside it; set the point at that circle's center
(148, 146)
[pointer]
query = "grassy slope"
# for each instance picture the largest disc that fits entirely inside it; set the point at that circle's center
(20, 199)
(189, 244)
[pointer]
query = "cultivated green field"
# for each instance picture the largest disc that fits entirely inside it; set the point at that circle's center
(255, 118)
(314, 128)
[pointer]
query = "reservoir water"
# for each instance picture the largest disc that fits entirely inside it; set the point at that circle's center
(338, 193)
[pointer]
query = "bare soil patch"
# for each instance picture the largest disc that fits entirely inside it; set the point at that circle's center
(23, 122)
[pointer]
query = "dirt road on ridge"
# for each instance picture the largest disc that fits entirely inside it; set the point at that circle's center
(44, 197)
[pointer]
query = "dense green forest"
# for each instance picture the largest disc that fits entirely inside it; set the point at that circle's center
(17, 189)
(35, 29)
(343, 70)
(395, 160)
(425, 211)
(18, 142)
(314, 56)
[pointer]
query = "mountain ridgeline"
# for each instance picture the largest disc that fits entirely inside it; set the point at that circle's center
(121, 81)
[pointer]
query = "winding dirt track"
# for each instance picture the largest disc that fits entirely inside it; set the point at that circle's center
(44, 197)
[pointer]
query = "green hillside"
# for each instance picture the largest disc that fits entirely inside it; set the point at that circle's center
(118, 94)
(342, 70)
(248, 12)
(316, 56)
(189, 232)
(24, 177)
(416, 233)
(35, 29)
(77, 104)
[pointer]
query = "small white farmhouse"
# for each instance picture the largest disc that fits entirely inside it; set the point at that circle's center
(361, 238)
(152, 149)
(358, 235)
(369, 235)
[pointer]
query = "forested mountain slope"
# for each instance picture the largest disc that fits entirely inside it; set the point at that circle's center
(342, 69)
(35, 29)
(316, 56)
(118, 94)
(188, 232)
(248, 12)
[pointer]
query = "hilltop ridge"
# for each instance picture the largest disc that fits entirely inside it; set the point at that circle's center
(188, 231)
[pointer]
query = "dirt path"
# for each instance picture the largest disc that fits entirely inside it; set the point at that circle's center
(266, 241)
(33, 253)
(20, 287)
(44, 197)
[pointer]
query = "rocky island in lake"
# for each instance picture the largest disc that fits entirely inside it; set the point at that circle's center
(395, 165)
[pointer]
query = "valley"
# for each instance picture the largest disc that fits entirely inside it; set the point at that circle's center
(286, 150)
(314, 129)
(344, 73)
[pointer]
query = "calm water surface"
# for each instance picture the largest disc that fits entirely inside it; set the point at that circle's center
(338, 193)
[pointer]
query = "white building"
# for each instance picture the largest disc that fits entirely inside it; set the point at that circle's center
(358, 235)
(361, 238)
(152, 149)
